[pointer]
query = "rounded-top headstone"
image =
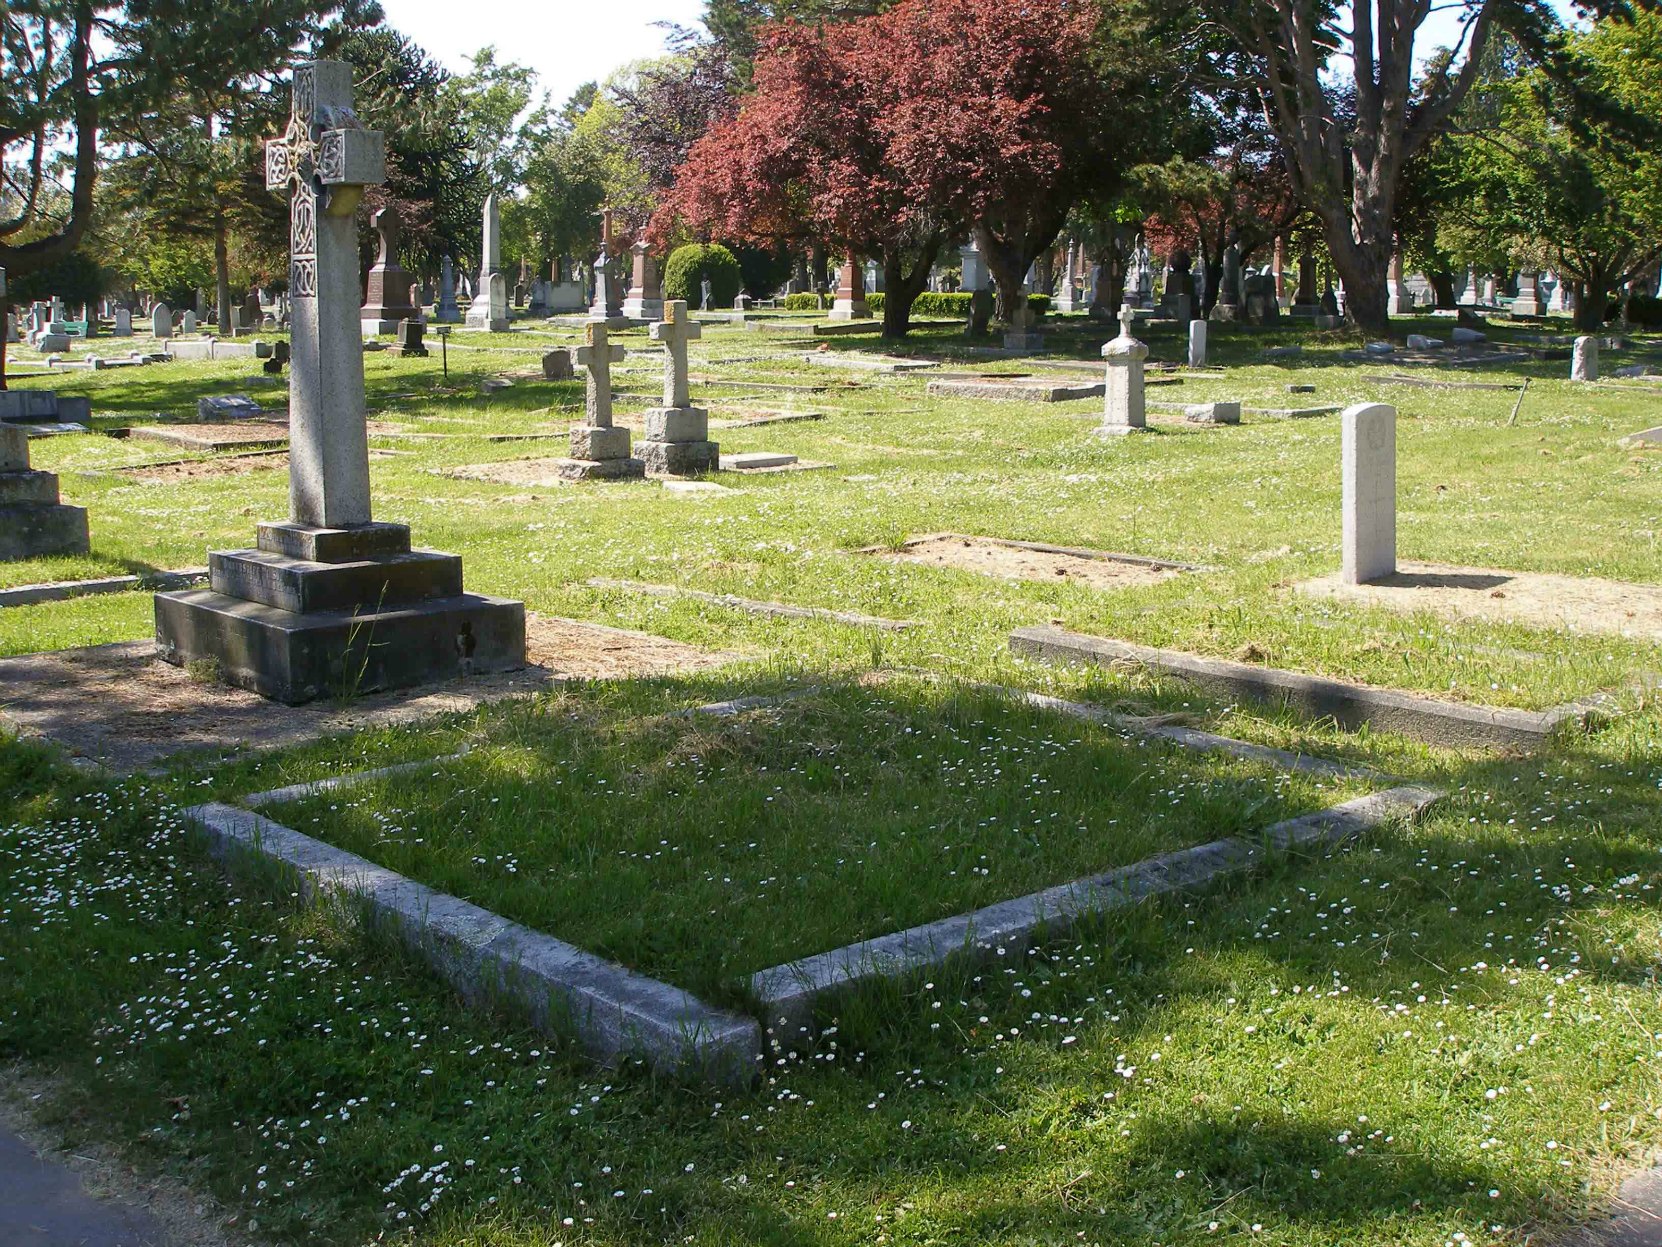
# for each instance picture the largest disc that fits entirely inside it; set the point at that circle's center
(161, 321)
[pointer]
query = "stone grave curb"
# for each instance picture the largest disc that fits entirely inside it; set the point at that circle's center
(317, 787)
(1194, 738)
(790, 995)
(29, 595)
(1424, 718)
(613, 1013)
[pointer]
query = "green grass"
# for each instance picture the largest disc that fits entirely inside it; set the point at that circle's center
(1301, 1058)
(787, 831)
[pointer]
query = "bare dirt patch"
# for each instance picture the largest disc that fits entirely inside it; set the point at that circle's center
(1027, 560)
(122, 707)
(1534, 599)
(203, 469)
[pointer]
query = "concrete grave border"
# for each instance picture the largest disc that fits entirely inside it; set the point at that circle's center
(29, 595)
(791, 995)
(613, 1013)
(1437, 722)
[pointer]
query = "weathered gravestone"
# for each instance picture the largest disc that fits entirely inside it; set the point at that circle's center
(33, 522)
(445, 311)
(608, 301)
(1584, 362)
(411, 334)
(1369, 452)
(331, 602)
(599, 449)
(556, 365)
(161, 321)
(1125, 408)
(387, 303)
(677, 434)
(645, 300)
(123, 322)
(850, 303)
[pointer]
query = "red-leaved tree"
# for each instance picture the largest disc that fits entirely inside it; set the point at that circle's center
(888, 135)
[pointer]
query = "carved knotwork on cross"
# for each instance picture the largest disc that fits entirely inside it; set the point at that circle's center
(325, 158)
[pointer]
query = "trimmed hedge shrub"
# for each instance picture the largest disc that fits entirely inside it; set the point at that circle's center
(688, 267)
(806, 302)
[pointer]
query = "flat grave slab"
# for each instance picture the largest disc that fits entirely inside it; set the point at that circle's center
(1534, 599)
(1032, 560)
(1436, 383)
(1032, 391)
(867, 363)
(542, 473)
(237, 435)
(757, 418)
(752, 460)
(1645, 439)
(122, 707)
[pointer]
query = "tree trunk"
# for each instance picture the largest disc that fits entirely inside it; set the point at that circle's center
(5, 319)
(1588, 306)
(222, 271)
(1362, 263)
(1008, 267)
(901, 291)
(1113, 261)
(1442, 286)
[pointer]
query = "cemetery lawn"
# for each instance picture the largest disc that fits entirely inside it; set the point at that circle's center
(1447, 1032)
(1450, 1028)
(702, 850)
(1257, 506)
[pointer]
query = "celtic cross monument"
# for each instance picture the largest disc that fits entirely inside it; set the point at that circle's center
(330, 602)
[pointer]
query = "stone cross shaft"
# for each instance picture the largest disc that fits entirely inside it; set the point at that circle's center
(325, 161)
(675, 331)
(1128, 319)
(597, 355)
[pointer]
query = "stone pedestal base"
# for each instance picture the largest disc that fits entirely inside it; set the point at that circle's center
(680, 458)
(1303, 311)
(677, 442)
(37, 529)
(1118, 430)
(625, 469)
(643, 309)
(1024, 342)
(849, 309)
(1527, 307)
(334, 612)
(376, 327)
(591, 441)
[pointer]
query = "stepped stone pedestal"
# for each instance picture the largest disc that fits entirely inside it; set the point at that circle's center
(33, 522)
(321, 612)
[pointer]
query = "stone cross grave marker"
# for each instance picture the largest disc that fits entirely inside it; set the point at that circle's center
(1369, 449)
(599, 450)
(677, 434)
(1125, 410)
(675, 331)
(331, 600)
(326, 159)
(597, 355)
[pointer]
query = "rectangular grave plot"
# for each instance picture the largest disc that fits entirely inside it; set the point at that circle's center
(1034, 560)
(766, 835)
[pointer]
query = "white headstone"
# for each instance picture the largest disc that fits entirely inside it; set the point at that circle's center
(1369, 450)
(1584, 364)
(123, 323)
(1197, 344)
(161, 321)
(187, 322)
(1125, 409)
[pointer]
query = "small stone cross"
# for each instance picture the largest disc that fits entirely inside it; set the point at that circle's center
(1128, 318)
(675, 331)
(597, 356)
(325, 160)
